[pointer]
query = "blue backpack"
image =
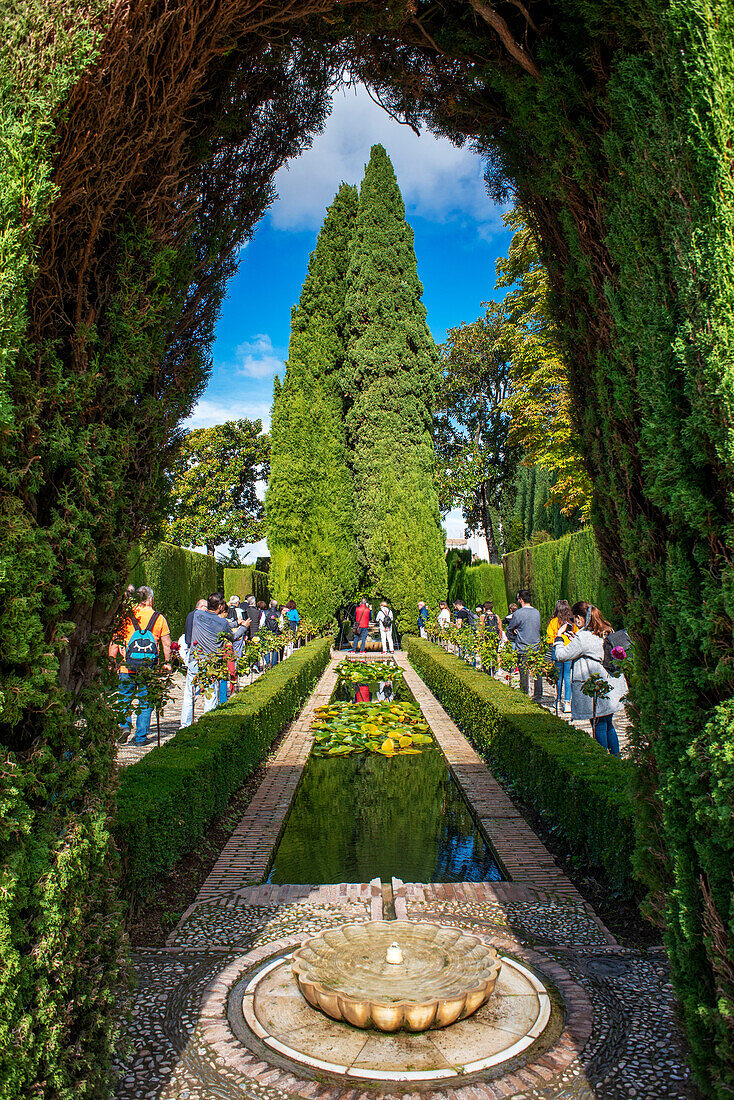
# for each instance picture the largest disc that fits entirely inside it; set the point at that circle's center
(141, 650)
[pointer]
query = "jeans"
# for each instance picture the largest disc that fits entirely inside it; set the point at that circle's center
(386, 639)
(606, 734)
(128, 691)
(213, 700)
(187, 706)
(360, 635)
(525, 679)
(564, 680)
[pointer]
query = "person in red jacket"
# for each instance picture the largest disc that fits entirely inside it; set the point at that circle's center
(361, 624)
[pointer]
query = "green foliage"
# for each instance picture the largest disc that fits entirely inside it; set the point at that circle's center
(391, 729)
(167, 800)
(536, 512)
(620, 154)
(478, 583)
(358, 672)
(538, 404)
(390, 376)
(60, 928)
(456, 561)
(43, 54)
(309, 500)
(476, 455)
(119, 222)
(569, 568)
(579, 788)
(179, 578)
(246, 581)
(212, 496)
(622, 168)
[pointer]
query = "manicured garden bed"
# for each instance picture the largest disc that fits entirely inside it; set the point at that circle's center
(578, 787)
(167, 800)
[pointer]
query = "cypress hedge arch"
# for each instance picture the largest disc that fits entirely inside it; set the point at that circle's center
(141, 139)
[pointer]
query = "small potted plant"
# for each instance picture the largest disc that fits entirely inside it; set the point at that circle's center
(598, 688)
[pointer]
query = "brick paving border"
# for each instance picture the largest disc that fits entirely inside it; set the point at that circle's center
(521, 852)
(246, 855)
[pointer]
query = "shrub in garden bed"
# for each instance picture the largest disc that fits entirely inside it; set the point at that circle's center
(166, 801)
(561, 771)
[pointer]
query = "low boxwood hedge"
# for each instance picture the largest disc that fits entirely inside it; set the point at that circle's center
(579, 788)
(166, 801)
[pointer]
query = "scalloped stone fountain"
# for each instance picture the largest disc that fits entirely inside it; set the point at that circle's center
(393, 975)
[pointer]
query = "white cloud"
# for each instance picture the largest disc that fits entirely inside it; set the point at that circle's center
(437, 179)
(453, 524)
(258, 358)
(207, 413)
(254, 550)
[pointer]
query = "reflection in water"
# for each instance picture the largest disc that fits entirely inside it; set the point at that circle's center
(355, 818)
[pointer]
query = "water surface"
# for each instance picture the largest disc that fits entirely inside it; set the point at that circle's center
(356, 818)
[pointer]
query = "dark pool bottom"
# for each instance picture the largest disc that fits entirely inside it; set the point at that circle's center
(356, 818)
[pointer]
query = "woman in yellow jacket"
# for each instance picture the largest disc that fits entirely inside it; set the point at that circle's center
(561, 617)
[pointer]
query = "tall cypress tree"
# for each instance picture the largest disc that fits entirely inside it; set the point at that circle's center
(390, 376)
(309, 501)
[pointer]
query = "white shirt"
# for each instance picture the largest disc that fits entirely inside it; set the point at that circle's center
(444, 617)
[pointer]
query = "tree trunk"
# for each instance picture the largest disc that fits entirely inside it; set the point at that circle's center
(209, 549)
(488, 532)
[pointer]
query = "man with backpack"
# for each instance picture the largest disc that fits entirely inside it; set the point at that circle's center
(143, 632)
(384, 621)
(462, 615)
(235, 613)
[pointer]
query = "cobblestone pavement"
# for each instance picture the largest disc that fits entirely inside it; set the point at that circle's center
(617, 1037)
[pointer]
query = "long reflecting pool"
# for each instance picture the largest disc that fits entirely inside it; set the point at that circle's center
(355, 818)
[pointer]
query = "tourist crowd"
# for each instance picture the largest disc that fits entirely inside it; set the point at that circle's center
(579, 647)
(584, 651)
(218, 637)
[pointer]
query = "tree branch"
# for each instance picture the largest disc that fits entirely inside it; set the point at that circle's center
(494, 20)
(528, 18)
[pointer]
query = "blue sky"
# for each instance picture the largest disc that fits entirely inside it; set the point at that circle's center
(458, 236)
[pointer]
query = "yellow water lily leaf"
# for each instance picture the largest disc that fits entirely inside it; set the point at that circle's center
(405, 740)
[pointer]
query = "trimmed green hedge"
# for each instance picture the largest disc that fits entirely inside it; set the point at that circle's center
(476, 583)
(166, 801)
(178, 578)
(567, 568)
(560, 771)
(246, 581)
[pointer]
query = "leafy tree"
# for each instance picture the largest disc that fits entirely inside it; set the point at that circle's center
(477, 458)
(309, 500)
(538, 401)
(230, 559)
(391, 376)
(212, 497)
